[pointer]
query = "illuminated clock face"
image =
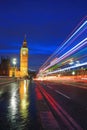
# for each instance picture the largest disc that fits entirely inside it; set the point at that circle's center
(24, 52)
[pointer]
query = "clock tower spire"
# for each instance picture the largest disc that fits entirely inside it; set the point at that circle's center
(25, 42)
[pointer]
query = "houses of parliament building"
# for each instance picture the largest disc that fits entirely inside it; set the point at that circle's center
(23, 71)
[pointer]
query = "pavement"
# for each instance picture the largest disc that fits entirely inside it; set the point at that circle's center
(7, 80)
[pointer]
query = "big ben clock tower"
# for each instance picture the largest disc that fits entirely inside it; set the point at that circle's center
(24, 59)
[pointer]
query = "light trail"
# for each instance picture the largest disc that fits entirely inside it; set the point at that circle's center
(66, 52)
(61, 48)
(75, 60)
(82, 43)
(68, 68)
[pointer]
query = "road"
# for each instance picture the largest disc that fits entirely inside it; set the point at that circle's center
(70, 98)
(17, 106)
(65, 100)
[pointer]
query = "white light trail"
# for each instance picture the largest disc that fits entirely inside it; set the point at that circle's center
(79, 45)
(58, 49)
(68, 68)
(67, 51)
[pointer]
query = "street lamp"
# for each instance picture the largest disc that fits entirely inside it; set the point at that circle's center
(14, 61)
(73, 73)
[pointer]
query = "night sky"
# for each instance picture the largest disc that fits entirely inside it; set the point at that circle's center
(47, 23)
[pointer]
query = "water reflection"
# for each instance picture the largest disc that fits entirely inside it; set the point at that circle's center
(13, 104)
(18, 107)
(24, 99)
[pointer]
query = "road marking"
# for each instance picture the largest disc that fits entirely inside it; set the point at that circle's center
(75, 85)
(49, 87)
(62, 94)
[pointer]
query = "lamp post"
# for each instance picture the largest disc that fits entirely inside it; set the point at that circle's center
(73, 73)
(14, 61)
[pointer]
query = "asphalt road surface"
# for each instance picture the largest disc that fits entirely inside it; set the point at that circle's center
(71, 97)
(66, 100)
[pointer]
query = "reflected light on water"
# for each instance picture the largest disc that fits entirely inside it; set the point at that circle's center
(18, 107)
(24, 101)
(13, 104)
(13, 101)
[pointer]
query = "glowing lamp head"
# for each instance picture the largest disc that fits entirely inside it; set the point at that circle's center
(14, 61)
(73, 73)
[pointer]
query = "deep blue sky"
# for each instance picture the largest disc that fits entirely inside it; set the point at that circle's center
(47, 23)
